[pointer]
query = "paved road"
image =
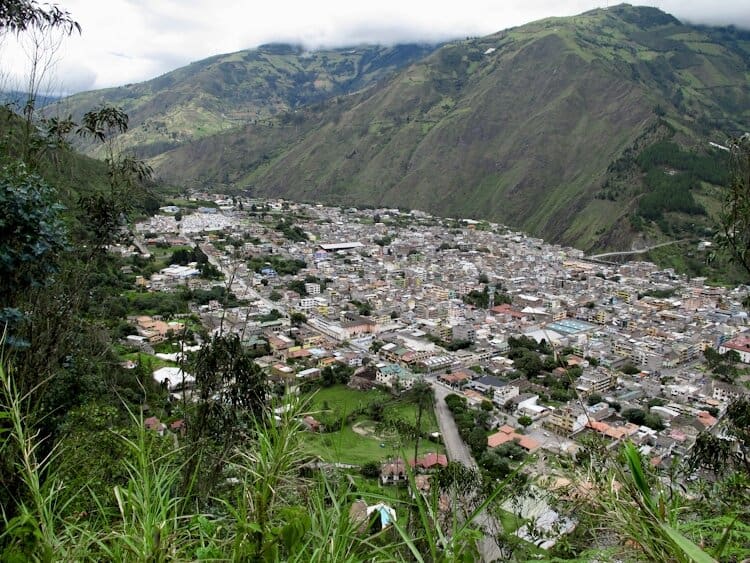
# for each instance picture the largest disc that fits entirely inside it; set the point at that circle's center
(454, 445)
(458, 451)
(641, 251)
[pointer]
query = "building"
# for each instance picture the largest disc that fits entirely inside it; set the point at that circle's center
(566, 420)
(506, 434)
(393, 472)
(430, 461)
(740, 344)
(454, 380)
(596, 381)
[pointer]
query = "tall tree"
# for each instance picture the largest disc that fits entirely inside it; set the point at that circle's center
(39, 29)
(230, 396)
(17, 16)
(421, 395)
(734, 220)
(103, 213)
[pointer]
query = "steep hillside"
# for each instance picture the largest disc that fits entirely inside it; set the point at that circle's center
(538, 126)
(71, 174)
(225, 91)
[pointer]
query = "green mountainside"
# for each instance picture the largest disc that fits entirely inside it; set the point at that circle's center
(249, 86)
(72, 174)
(539, 127)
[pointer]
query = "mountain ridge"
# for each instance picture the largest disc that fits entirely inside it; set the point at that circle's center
(230, 90)
(537, 126)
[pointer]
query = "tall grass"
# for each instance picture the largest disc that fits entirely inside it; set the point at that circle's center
(637, 509)
(34, 532)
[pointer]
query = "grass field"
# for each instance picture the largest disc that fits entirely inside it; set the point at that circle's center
(346, 445)
(156, 363)
(342, 400)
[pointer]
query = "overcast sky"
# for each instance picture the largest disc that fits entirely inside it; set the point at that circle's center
(127, 41)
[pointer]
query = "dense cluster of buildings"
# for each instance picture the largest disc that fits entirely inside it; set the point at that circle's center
(403, 296)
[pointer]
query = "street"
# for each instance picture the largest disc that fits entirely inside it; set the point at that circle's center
(458, 451)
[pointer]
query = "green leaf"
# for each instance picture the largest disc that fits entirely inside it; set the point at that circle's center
(688, 548)
(633, 459)
(719, 549)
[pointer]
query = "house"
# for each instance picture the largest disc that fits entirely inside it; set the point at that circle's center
(393, 375)
(596, 381)
(567, 420)
(529, 407)
(614, 433)
(154, 329)
(311, 424)
(500, 390)
(724, 392)
(454, 380)
(179, 427)
(173, 378)
(430, 461)
(740, 344)
(155, 425)
(371, 519)
(507, 434)
(393, 472)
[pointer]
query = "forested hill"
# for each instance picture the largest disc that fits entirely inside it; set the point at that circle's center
(540, 126)
(225, 91)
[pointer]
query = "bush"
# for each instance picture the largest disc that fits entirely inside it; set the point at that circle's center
(371, 470)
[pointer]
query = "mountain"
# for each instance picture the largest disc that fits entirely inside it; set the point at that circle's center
(15, 99)
(249, 86)
(540, 127)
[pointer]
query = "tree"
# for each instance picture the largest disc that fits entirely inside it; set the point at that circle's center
(635, 416)
(711, 452)
(297, 319)
(421, 395)
(653, 421)
(525, 421)
(721, 453)
(734, 221)
(40, 30)
(496, 465)
(371, 469)
(477, 441)
(722, 365)
(594, 398)
(529, 363)
(335, 374)
(31, 232)
(230, 398)
(17, 16)
(104, 213)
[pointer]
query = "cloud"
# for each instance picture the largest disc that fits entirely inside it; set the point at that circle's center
(126, 41)
(74, 77)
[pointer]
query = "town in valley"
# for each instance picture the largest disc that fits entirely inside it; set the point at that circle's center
(541, 348)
